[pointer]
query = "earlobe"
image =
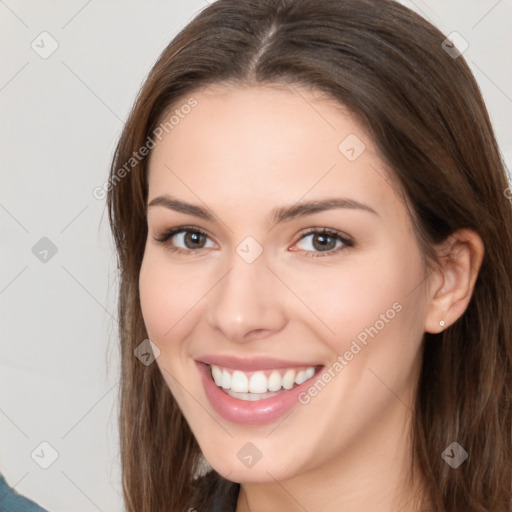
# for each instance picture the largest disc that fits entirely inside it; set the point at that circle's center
(460, 259)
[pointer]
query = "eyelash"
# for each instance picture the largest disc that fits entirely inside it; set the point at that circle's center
(163, 238)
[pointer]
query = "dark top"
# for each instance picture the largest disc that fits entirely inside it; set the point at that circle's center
(11, 501)
(224, 492)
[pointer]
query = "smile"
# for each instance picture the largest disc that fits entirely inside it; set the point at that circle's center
(255, 391)
(259, 385)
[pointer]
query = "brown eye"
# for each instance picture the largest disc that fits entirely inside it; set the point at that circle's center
(324, 241)
(183, 239)
(193, 240)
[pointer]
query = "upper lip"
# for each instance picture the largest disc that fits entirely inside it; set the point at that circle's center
(251, 364)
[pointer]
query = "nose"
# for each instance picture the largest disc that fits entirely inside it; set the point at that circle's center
(245, 304)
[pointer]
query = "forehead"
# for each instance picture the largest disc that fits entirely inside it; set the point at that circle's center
(261, 114)
(266, 143)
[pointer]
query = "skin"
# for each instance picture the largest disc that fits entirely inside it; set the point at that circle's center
(242, 152)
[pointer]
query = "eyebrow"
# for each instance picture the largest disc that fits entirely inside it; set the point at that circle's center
(281, 214)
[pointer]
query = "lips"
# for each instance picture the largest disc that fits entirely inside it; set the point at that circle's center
(254, 391)
(253, 364)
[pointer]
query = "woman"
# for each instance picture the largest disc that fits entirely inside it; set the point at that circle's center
(310, 213)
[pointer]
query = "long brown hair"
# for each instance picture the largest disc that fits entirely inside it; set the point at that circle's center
(423, 108)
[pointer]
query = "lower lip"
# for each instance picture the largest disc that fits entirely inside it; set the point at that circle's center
(246, 412)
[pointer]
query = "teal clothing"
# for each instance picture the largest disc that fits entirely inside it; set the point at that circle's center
(11, 501)
(224, 493)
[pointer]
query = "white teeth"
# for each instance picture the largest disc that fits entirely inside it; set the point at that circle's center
(274, 381)
(250, 397)
(309, 373)
(301, 377)
(240, 384)
(217, 375)
(226, 379)
(258, 383)
(289, 379)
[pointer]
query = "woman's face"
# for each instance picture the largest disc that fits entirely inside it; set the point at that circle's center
(264, 303)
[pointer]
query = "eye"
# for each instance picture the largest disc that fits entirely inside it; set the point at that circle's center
(192, 238)
(324, 242)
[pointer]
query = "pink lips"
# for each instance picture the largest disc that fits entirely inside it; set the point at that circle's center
(244, 412)
(253, 364)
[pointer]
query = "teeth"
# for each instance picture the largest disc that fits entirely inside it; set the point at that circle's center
(241, 384)
(258, 383)
(226, 380)
(301, 377)
(309, 373)
(217, 375)
(289, 379)
(250, 397)
(274, 381)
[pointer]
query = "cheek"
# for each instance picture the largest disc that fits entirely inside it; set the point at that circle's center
(171, 297)
(159, 298)
(167, 310)
(366, 297)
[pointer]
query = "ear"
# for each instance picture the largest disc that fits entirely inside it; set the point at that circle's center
(451, 285)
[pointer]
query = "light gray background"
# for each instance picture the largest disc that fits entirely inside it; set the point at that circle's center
(60, 119)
